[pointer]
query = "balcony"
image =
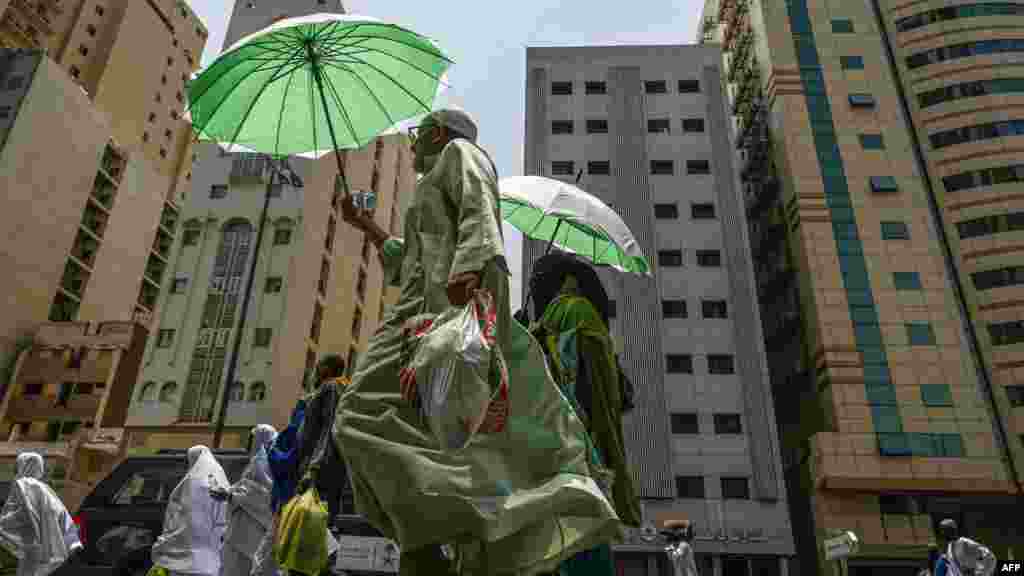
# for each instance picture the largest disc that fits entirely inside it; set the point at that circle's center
(94, 220)
(142, 316)
(64, 307)
(85, 248)
(155, 269)
(169, 218)
(148, 294)
(162, 244)
(78, 407)
(112, 165)
(103, 192)
(74, 278)
(35, 13)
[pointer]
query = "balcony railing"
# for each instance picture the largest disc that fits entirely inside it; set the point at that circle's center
(112, 164)
(74, 279)
(103, 192)
(84, 249)
(147, 295)
(34, 12)
(94, 220)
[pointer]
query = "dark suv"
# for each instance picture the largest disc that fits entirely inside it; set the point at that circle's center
(124, 515)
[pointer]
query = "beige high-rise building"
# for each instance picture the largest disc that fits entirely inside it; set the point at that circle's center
(318, 285)
(94, 156)
(881, 156)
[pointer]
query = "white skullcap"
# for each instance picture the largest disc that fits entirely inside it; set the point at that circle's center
(456, 120)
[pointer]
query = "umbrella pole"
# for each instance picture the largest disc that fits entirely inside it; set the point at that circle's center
(314, 60)
(551, 242)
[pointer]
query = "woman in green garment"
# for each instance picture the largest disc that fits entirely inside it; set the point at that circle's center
(575, 335)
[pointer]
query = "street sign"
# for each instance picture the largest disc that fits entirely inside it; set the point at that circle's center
(367, 554)
(841, 546)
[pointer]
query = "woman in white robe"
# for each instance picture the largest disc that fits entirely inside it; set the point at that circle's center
(35, 527)
(194, 523)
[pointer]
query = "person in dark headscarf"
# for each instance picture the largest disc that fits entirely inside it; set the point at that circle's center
(319, 463)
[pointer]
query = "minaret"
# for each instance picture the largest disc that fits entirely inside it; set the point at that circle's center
(252, 15)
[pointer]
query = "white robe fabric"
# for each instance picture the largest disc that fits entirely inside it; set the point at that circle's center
(35, 526)
(971, 558)
(681, 557)
(250, 518)
(194, 523)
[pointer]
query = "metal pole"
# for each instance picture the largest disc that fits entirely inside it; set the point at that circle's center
(314, 61)
(218, 429)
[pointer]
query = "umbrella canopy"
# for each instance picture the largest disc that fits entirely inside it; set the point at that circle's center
(571, 220)
(548, 275)
(310, 85)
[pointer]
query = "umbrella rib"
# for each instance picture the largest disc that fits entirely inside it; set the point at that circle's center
(220, 77)
(368, 89)
(402, 60)
(344, 114)
(435, 53)
(280, 117)
(396, 83)
(225, 99)
(252, 104)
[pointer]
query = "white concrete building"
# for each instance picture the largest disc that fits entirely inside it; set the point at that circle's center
(649, 128)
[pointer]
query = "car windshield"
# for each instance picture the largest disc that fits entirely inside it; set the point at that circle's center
(153, 485)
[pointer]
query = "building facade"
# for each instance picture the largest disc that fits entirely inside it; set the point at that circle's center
(878, 153)
(318, 289)
(74, 381)
(96, 155)
(647, 126)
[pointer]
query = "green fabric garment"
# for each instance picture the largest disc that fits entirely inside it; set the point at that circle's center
(519, 501)
(582, 348)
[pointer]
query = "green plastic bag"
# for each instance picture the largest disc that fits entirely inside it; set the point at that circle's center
(157, 571)
(300, 544)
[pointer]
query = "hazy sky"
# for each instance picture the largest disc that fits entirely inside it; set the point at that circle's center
(487, 40)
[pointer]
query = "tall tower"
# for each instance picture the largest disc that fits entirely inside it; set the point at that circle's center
(252, 15)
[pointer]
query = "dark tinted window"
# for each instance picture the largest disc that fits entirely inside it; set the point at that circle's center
(597, 126)
(599, 167)
(955, 12)
(595, 87)
(1006, 333)
(670, 258)
(964, 50)
(690, 487)
(994, 224)
(561, 127)
(976, 133)
(709, 258)
(970, 90)
(663, 167)
(563, 168)
(666, 211)
(151, 486)
(693, 124)
(673, 308)
(679, 364)
(561, 88)
(1016, 395)
(698, 167)
(735, 488)
(659, 126)
(720, 364)
(714, 309)
(728, 424)
(689, 86)
(703, 211)
(613, 309)
(685, 423)
(655, 87)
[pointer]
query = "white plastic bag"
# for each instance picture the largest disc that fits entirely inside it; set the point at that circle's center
(456, 374)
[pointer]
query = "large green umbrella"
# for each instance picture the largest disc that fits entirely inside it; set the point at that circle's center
(305, 87)
(311, 85)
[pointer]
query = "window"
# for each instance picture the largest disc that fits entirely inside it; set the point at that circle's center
(728, 424)
(282, 234)
(597, 126)
(261, 337)
(990, 86)
(693, 124)
(1006, 333)
(148, 487)
(895, 231)
(655, 87)
(862, 100)
(851, 62)
(257, 392)
(884, 184)
(679, 364)
(906, 280)
(984, 177)
(152, 117)
(994, 224)
(691, 487)
(963, 50)
(709, 258)
(561, 88)
(689, 86)
(1015, 393)
(599, 167)
(33, 388)
(75, 72)
(712, 309)
(920, 334)
(673, 308)
(659, 126)
(735, 488)
(5, 111)
(190, 237)
(670, 258)
(721, 364)
(90, 30)
(998, 278)
(976, 133)
(15, 82)
(595, 87)
(684, 423)
(936, 395)
(662, 167)
(613, 309)
(698, 167)
(563, 168)
(561, 126)
(164, 338)
(842, 26)
(702, 211)
(178, 285)
(218, 191)
(99, 10)
(168, 392)
(872, 142)
(273, 285)
(666, 211)
(83, 50)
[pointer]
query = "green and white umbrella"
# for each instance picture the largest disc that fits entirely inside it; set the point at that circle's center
(571, 220)
(310, 85)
